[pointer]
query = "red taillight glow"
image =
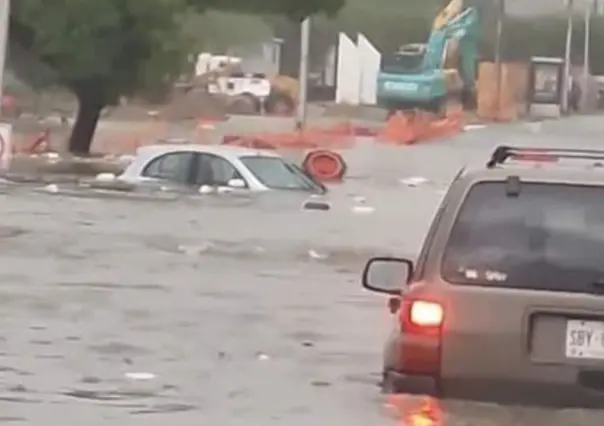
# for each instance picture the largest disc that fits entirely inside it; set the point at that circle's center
(426, 314)
(422, 329)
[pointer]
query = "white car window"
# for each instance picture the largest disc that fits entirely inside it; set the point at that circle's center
(173, 166)
(276, 173)
(215, 171)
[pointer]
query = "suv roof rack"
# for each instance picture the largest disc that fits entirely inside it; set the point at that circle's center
(503, 153)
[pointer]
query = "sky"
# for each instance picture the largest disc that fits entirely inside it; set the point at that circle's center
(538, 7)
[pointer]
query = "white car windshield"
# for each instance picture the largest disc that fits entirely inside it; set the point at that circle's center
(276, 173)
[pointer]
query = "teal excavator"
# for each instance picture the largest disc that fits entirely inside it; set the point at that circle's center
(429, 76)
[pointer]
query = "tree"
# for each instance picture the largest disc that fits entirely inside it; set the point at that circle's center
(102, 50)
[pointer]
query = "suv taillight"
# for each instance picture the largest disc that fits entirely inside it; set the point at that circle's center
(423, 313)
(421, 325)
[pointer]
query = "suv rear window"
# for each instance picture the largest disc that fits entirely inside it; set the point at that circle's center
(549, 237)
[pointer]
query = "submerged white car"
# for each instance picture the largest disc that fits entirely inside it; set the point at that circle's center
(217, 166)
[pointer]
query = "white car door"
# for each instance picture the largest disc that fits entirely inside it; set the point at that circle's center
(171, 167)
(216, 171)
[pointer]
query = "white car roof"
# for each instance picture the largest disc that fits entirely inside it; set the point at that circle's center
(226, 151)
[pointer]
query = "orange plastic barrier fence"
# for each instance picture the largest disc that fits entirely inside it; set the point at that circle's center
(346, 128)
(406, 128)
(39, 143)
(307, 139)
(399, 130)
(248, 142)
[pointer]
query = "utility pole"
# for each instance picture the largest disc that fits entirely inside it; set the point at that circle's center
(303, 74)
(567, 54)
(4, 24)
(586, 50)
(498, 61)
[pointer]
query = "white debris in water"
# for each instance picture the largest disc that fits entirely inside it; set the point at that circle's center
(207, 126)
(470, 127)
(51, 188)
(105, 177)
(52, 157)
(316, 255)
(140, 376)
(205, 189)
(535, 126)
(126, 159)
(194, 250)
(363, 209)
(263, 357)
(414, 181)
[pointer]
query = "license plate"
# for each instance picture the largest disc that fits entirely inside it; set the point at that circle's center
(585, 339)
(400, 86)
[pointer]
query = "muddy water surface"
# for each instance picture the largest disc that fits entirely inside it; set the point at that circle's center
(223, 310)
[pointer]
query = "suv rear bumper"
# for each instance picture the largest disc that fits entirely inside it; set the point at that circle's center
(395, 382)
(524, 393)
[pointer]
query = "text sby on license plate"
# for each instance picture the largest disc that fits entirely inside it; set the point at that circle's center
(585, 339)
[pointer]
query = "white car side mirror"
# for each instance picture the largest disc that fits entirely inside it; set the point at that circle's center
(236, 183)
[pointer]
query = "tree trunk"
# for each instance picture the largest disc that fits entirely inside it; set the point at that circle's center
(89, 112)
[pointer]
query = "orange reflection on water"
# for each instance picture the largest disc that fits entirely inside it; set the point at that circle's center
(415, 410)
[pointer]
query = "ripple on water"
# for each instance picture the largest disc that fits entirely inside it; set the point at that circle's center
(7, 232)
(112, 286)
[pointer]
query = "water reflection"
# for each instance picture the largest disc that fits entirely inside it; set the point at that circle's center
(415, 410)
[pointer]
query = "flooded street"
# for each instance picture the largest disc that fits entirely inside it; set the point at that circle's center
(225, 310)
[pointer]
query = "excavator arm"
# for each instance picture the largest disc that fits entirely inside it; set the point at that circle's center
(462, 29)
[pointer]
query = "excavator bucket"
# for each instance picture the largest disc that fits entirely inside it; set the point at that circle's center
(449, 12)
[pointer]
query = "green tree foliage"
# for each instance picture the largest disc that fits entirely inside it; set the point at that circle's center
(102, 50)
(217, 31)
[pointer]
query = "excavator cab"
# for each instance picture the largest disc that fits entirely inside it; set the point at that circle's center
(407, 59)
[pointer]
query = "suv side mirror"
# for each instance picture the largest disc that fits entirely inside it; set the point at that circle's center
(387, 275)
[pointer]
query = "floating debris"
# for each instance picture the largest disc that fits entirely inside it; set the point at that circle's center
(316, 205)
(262, 356)
(194, 250)
(105, 177)
(140, 376)
(316, 255)
(363, 209)
(205, 189)
(51, 188)
(414, 181)
(535, 126)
